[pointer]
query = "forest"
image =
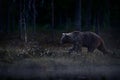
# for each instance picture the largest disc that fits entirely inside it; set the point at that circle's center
(30, 33)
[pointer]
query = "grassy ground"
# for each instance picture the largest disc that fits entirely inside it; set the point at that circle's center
(53, 62)
(36, 60)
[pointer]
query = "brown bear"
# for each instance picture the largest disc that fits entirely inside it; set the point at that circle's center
(84, 39)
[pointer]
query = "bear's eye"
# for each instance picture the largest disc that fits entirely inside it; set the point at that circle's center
(68, 37)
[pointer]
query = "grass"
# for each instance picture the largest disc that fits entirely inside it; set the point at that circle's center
(53, 62)
(37, 60)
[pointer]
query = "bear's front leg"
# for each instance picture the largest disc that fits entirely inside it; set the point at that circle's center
(91, 48)
(76, 47)
(72, 49)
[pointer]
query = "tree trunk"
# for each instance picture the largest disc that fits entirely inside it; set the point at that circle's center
(68, 23)
(8, 17)
(52, 19)
(13, 24)
(88, 17)
(60, 18)
(25, 16)
(107, 14)
(78, 15)
(96, 24)
(20, 20)
(34, 16)
(42, 3)
(25, 29)
(1, 30)
(97, 17)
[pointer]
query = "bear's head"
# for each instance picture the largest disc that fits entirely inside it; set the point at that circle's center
(66, 38)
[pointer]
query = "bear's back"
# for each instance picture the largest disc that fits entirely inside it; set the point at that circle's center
(90, 38)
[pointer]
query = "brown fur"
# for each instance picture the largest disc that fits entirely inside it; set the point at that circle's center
(86, 39)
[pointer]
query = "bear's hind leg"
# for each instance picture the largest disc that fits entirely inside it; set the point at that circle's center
(103, 49)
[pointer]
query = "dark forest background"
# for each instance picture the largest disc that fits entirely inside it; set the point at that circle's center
(24, 16)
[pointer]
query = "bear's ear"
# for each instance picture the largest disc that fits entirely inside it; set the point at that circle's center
(68, 34)
(63, 33)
